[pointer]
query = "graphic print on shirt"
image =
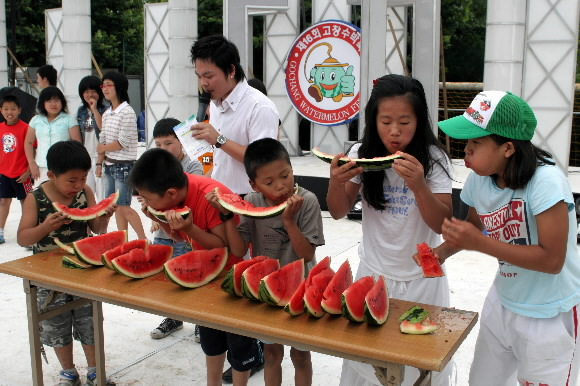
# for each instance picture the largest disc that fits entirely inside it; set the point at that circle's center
(398, 200)
(9, 142)
(275, 242)
(509, 225)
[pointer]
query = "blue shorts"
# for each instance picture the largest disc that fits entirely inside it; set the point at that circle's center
(60, 330)
(243, 353)
(115, 179)
(179, 248)
(9, 188)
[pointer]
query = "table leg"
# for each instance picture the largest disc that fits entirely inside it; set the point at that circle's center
(33, 333)
(391, 375)
(99, 342)
(424, 378)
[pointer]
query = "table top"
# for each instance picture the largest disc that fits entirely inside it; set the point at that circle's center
(210, 306)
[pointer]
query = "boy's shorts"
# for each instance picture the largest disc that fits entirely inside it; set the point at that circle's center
(76, 323)
(179, 247)
(9, 188)
(243, 353)
(115, 178)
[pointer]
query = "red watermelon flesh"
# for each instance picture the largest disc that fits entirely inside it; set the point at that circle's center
(278, 287)
(429, 263)
(331, 298)
(319, 267)
(88, 213)
(313, 292)
(234, 203)
(376, 308)
(296, 304)
(353, 298)
(90, 249)
(196, 268)
(140, 263)
(232, 283)
(251, 277)
(109, 255)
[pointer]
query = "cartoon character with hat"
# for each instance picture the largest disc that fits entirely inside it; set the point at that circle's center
(330, 79)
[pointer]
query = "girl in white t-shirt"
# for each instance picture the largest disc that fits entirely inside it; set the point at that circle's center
(402, 206)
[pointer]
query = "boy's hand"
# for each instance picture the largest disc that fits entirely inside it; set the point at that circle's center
(55, 221)
(177, 222)
(294, 205)
(110, 211)
(34, 171)
(154, 227)
(23, 176)
(342, 174)
(212, 198)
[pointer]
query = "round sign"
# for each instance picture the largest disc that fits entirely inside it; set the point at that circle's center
(323, 72)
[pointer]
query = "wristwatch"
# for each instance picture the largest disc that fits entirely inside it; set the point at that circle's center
(221, 140)
(226, 217)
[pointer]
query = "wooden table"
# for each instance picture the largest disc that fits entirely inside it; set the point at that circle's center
(383, 347)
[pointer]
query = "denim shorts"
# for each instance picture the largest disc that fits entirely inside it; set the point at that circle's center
(115, 179)
(61, 329)
(179, 248)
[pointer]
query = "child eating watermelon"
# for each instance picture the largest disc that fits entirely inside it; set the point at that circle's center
(40, 224)
(290, 236)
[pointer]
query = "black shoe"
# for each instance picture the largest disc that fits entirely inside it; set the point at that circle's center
(228, 378)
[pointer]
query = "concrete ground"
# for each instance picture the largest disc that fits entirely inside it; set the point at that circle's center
(133, 358)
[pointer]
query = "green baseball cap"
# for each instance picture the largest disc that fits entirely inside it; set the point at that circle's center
(493, 112)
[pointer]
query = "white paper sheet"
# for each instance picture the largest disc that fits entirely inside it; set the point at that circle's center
(192, 146)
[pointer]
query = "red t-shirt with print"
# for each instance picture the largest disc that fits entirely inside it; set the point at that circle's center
(12, 157)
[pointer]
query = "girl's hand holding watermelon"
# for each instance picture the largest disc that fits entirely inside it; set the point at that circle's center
(342, 174)
(411, 170)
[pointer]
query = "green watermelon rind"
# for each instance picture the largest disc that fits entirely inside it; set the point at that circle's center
(247, 292)
(88, 240)
(427, 327)
(371, 315)
(65, 247)
(69, 262)
(229, 283)
(167, 250)
(266, 293)
(370, 164)
(160, 214)
(223, 256)
(92, 212)
(414, 314)
(265, 296)
(258, 212)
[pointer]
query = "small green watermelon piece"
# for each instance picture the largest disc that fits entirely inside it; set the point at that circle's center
(425, 327)
(71, 262)
(414, 314)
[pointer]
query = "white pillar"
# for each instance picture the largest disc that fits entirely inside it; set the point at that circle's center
(182, 16)
(76, 24)
(3, 46)
(504, 45)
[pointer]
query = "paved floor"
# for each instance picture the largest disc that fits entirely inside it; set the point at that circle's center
(133, 358)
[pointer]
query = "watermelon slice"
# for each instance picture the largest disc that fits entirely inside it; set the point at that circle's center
(232, 283)
(67, 248)
(278, 287)
(414, 314)
(252, 276)
(425, 327)
(140, 263)
(368, 164)
(71, 262)
(353, 298)
(376, 308)
(196, 268)
(319, 267)
(331, 298)
(296, 304)
(313, 292)
(88, 213)
(234, 203)
(90, 249)
(160, 214)
(429, 263)
(108, 256)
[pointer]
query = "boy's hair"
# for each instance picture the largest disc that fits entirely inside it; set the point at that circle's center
(156, 171)
(49, 72)
(10, 98)
(262, 152)
(372, 146)
(121, 85)
(522, 165)
(46, 95)
(67, 155)
(220, 51)
(164, 127)
(91, 82)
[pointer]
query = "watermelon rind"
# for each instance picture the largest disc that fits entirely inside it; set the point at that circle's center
(88, 213)
(196, 268)
(160, 214)
(234, 203)
(108, 256)
(277, 288)
(71, 262)
(376, 307)
(421, 328)
(313, 293)
(253, 275)
(353, 299)
(331, 298)
(89, 251)
(414, 314)
(232, 283)
(141, 263)
(67, 248)
(368, 164)
(296, 304)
